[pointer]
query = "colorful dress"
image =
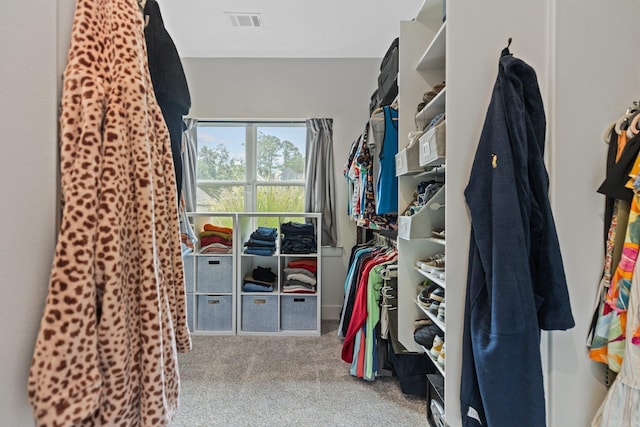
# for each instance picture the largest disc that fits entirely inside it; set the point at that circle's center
(622, 404)
(608, 344)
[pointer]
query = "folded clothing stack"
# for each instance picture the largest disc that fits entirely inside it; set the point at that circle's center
(216, 239)
(298, 238)
(261, 279)
(262, 241)
(300, 277)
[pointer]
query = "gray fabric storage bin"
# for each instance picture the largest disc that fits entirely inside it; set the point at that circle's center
(189, 275)
(190, 312)
(214, 312)
(299, 312)
(260, 313)
(215, 274)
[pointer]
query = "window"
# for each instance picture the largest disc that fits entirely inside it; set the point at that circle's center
(250, 166)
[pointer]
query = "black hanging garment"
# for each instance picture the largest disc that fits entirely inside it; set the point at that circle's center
(169, 81)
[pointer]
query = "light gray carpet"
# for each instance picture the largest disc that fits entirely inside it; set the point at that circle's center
(285, 381)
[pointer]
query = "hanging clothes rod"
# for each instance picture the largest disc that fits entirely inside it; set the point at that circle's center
(385, 240)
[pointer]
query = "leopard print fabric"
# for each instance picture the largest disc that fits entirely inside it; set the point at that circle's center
(115, 317)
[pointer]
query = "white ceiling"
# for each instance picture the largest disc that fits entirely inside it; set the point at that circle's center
(291, 28)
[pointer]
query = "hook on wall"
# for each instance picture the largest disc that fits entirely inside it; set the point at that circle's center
(509, 42)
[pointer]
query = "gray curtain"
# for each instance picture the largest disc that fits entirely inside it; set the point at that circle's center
(189, 159)
(320, 183)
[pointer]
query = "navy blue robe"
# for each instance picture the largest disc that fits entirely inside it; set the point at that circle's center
(516, 283)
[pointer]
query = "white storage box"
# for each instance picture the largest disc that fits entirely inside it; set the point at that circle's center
(407, 160)
(215, 274)
(420, 224)
(433, 146)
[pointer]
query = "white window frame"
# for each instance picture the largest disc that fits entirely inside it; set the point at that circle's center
(251, 154)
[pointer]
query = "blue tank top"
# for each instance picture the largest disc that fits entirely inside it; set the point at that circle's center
(387, 189)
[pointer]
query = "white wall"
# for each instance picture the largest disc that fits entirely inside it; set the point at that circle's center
(597, 76)
(294, 89)
(28, 106)
(476, 34)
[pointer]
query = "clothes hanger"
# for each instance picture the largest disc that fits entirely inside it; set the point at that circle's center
(376, 114)
(633, 130)
(623, 122)
(395, 102)
(141, 5)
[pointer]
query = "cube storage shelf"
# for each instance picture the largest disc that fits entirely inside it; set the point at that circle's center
(216, 301)
(277, 312)
(210, 282)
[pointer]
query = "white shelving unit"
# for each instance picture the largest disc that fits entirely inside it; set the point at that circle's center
(216, 302)
(423, 65)
(434, 361)
(434, 57)
(277, 312)
(210, 281)
(434, 278)
(432, 109)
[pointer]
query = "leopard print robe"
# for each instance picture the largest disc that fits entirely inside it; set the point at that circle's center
(114, 319)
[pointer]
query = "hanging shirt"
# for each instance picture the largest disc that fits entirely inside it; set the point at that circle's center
(387, 190)
(359, 314)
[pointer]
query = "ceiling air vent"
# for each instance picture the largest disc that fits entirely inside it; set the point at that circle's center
(244, 19)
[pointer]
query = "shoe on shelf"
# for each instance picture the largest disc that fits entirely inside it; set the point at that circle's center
(440, 359)
(437, 262)
(436, 348)
(436, 232)
(441, 310)
(433, 263)
(425, 335)
(424, 298)
(428, 304)
(427, 287)
(433, 308)
(421, 323)
(424, 304)
(437, 294)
